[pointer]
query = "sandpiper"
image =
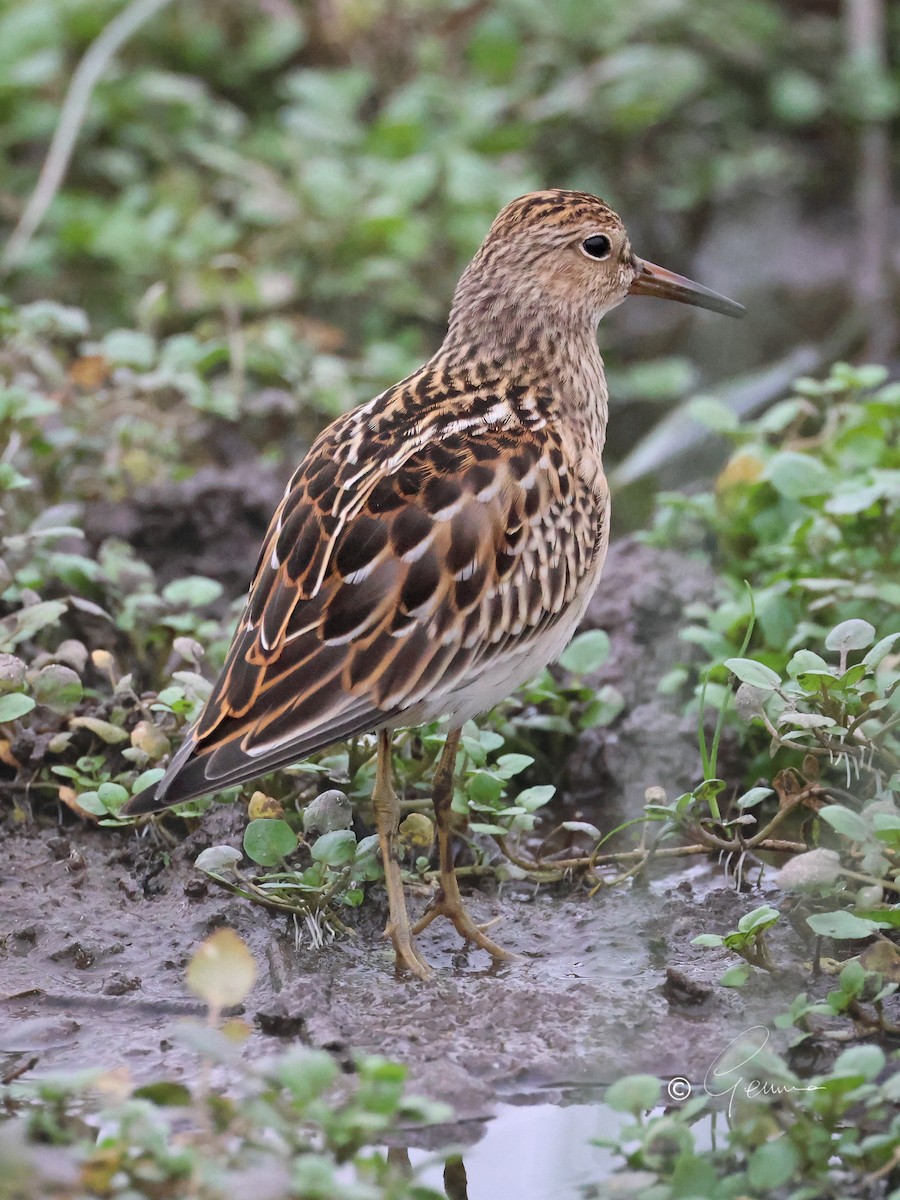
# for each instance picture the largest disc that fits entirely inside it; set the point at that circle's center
(438, 545)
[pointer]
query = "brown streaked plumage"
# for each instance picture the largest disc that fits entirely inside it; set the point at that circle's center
(438, 545)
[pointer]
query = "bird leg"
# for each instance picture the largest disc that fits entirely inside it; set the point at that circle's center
(387, 820)
(447, 901)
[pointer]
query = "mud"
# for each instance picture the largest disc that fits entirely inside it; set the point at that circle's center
(97, 927)
(95, 948)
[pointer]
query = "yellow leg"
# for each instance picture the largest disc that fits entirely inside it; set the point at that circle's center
(448, 902)
(387, 820)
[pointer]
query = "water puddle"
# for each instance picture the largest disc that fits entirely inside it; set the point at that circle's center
(533, 1152)
(538, 1152)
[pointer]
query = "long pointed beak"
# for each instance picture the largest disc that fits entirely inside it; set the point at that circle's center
(657, 281)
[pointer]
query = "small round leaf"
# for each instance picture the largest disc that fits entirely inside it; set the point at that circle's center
(335, 848)
(855, 634)
(756, 674)
(220, 860)
(267, 841)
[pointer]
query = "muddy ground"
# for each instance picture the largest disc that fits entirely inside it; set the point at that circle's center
(97, 926)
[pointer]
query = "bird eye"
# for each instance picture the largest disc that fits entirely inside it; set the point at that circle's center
(596, 246)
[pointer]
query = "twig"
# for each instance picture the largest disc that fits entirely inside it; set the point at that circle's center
(558, 867)
(71, 118)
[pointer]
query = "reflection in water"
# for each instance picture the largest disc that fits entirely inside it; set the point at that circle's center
(455, 1180)
(535, 1152)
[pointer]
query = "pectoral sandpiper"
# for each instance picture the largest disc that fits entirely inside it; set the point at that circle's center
(438, 546)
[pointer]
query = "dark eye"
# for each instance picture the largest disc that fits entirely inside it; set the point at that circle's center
(596, 246)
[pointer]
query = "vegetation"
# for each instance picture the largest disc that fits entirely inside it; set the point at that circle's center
(264, 214)
(290, 1123)
(829, 1134)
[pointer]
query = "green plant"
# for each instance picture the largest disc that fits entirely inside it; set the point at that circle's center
(864, 984)
(291, 1118)
(807, 510)
(829, 1135)
(748, 940)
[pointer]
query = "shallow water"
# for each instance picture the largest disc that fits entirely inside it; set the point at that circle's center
(535, 1152)
(542, 1152)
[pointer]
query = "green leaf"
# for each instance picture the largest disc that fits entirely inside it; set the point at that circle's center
(194, 591)
(747, 670)
(694, 1176)
(536, 797)
(855, 634)
(634, 1094)
(112, 795)
(164, 1094)
(484, 788)
(853, 497)
(880, 651)
(105, 730)
(335, 848)
(805, 660)
(58, 687)
(713, 414)
(888, 918)
(306, 1073)
(759, 919)
(712, 940)
(753, 797)
(842, 925)
(14, 705)
(796, 476)
(509, 765)
(886, 827)
(583, 827)
(735, 976)
(586, 653)
(853, 977)
(773, 1164)
(147, 779)
(268, 840)
(863, 1062)
(130, 347)
(847, 822)
(36, 617)
(91, 803)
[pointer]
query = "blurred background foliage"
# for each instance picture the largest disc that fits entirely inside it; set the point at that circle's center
(260, 213)
(275, 198)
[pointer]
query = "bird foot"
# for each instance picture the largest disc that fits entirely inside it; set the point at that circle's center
(407, 952)
(455, 911)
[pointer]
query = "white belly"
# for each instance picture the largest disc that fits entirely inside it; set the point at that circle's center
(516, 665)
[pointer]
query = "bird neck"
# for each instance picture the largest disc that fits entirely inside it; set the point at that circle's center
(554, 356)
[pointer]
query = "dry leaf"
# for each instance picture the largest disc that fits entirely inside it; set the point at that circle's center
(89, 371)
(7, 756)
(883, 957)
(69, 797)
(222, 970)
(262, 805)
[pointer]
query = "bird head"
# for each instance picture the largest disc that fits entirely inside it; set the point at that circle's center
(565, 257)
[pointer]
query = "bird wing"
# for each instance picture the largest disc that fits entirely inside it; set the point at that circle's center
(393, 569)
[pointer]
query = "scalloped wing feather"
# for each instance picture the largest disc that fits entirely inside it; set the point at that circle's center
(396, 570)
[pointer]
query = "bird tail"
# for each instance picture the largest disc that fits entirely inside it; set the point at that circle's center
(177, 785)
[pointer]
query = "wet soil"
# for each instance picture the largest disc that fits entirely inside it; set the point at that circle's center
(97, 927)
(95, 946)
